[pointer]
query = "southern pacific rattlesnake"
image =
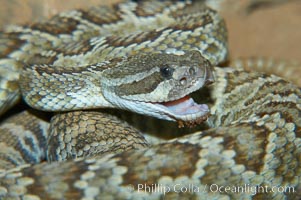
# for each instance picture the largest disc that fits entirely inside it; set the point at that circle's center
(255, 134)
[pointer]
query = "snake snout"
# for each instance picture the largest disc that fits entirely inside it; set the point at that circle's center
(195, 73)
(209, 76)
(188, 76)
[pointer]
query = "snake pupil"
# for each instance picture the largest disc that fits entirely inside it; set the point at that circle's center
(166, 72)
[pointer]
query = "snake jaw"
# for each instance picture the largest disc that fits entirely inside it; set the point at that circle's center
(183, 109)
(186, 111)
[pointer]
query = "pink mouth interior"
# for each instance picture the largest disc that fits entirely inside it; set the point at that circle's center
(185, 105)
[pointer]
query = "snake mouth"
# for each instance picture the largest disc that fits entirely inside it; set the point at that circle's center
(186, 111)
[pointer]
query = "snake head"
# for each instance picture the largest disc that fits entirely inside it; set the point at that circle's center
(159, 85)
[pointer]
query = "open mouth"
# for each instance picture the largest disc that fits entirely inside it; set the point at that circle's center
(186, 111)
(185, 106)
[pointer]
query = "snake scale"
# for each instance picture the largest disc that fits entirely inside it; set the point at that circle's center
(145, 57)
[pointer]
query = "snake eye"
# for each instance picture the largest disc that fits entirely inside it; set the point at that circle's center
(166, 72)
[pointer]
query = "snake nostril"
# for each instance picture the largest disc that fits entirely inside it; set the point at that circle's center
(183, 81)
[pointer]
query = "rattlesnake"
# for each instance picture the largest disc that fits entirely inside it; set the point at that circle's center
(254, 139)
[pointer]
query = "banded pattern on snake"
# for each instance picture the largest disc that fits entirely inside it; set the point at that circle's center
(107, 57)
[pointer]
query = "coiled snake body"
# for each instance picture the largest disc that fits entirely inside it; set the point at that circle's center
(107, 57)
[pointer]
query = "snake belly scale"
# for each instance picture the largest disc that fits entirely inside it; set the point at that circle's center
(106, 57)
